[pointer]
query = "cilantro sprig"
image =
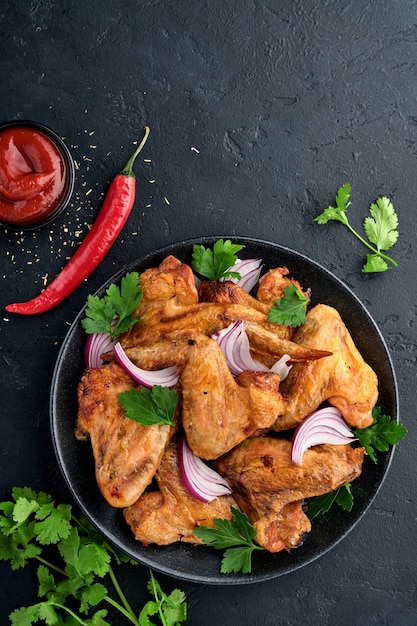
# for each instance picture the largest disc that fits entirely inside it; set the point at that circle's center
(113, 313)
(71, 588)
(236, 537)
(290, 309)
(155, 405)
(172, 608)
(216, 263)
(380, 228)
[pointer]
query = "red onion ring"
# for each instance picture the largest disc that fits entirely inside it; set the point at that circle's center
(166, 377)
(325, 425)
(234, 344)
(203, 482)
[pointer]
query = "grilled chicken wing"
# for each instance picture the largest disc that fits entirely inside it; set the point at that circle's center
(268, 345)
(126, 453)
(172, 282)
(269, 487)
(172, 513)
(218, 411)
(343, 379)
(272, 284)
(228, 292)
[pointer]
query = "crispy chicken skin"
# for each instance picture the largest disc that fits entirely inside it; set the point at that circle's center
(204, 317)
(172, 513)
(171, 301)
(126, 453)
(268, 345)
(228, 291)
(171, 279)
(272, 284)
(343, 379)
(269, 487)
(171, 282)
(218, 410)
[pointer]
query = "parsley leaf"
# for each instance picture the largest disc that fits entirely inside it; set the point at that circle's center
(31, 521)
(321, 504)
(290, 309)
(237, 536)
(113, 313)
(155, 405)
(380, 228)
(214, 264)
(383, 433)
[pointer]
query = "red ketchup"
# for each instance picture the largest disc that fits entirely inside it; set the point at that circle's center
(33, 176)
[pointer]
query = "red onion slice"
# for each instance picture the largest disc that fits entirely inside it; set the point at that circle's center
(323, 426)
(166, 377)
(203, 482)
(234, 344)
(96, 345)
(249, 270)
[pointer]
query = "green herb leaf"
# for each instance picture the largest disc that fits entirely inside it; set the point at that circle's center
(214, 264)
(172, 608)
(337, 213)
(383, 433)
(31, 521)
(113, 313)
(237, 536)
(380, 228)
(322, 504)
(290, 309)
(146, 406)
(374, 263)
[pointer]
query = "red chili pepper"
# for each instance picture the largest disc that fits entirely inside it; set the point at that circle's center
(110, 221)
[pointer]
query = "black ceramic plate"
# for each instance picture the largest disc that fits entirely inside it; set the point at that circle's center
(202, 564)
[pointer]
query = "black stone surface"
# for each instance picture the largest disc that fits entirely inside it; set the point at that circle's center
(258, 113)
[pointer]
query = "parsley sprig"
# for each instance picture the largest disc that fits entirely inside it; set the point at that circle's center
(155, 405)
(236, 537)
(113, 313)
(216, 263)
(290, 309)
(72, 587)
(321, 504)
(380, 435)
(380, 228)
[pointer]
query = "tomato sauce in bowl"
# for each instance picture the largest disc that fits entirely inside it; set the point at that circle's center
(36, 174)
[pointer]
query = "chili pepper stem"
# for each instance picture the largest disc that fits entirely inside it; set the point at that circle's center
(128, 168)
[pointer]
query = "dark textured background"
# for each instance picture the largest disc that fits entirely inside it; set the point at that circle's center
(258, 111)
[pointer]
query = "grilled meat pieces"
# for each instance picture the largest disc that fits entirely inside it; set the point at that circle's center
(344, 379)
(226, 419)
(126, 453)
(218, 410)
(170, 285)
(272, 284)
(172, 513)
(269, 487)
